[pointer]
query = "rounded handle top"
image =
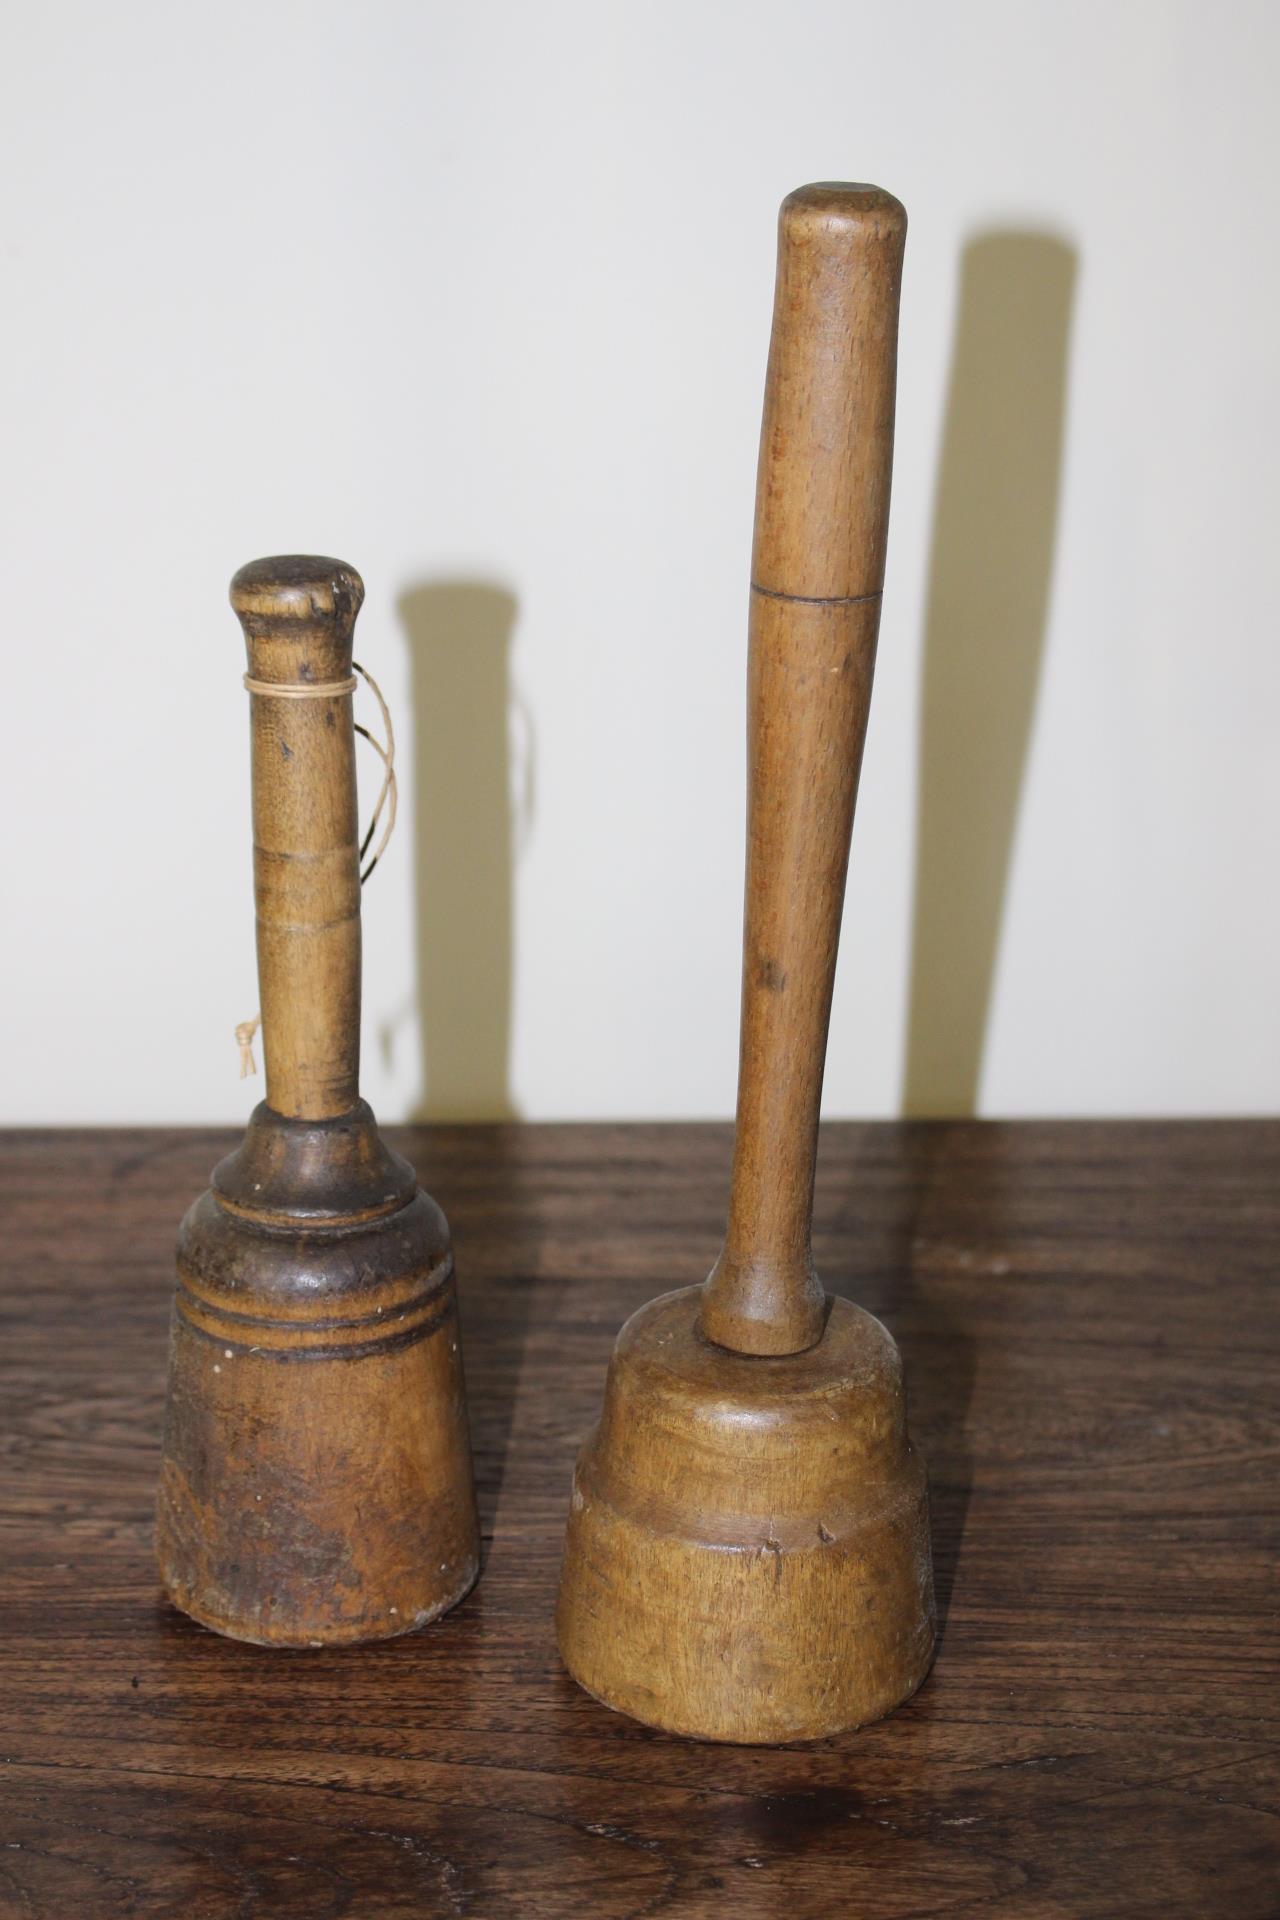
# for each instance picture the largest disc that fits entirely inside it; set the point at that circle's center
(831, 208)
(297, 586)
(298, 612)
(826, 445)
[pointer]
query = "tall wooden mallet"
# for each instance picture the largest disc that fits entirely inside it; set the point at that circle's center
(316, 1482)
(747, 1555)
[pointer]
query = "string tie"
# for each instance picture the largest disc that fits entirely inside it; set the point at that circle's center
(387, 801)
(244, 1040)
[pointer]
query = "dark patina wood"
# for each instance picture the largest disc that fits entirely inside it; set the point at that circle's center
(316, 1481)
(1088, 1316)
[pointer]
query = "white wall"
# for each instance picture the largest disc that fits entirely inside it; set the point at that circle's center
(479, 294)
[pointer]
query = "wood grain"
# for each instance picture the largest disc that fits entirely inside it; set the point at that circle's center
(298, 612)
(1088, 1319)
(817, 569)
(315, 1487)
(747, 1555)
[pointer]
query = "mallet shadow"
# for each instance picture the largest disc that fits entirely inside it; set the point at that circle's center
(874, 1242)
(473, 764)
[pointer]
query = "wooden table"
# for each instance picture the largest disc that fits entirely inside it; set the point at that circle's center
(1090, 1327)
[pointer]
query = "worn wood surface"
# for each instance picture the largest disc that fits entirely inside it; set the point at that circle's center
(316, 1483)
(747, 1555)
(299, 612)
(817, 570)
(1088, 1317)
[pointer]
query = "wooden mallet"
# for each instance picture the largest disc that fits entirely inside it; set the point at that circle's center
(747, 1555)
(316, 1483)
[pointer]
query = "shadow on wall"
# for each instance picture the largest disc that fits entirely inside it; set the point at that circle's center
(991, 564)
(459, 635)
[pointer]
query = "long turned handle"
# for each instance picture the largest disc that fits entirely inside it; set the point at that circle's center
(822, 511)
(298, 613)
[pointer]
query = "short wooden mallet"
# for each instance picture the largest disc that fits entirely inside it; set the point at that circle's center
(316, 1480)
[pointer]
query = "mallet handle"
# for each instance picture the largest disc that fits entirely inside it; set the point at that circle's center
(822, 510)
(298, 613)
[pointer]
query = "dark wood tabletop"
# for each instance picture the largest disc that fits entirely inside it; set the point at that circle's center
(1089, 1321)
